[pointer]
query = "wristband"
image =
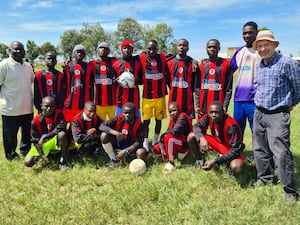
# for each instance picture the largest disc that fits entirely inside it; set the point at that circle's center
(126, 150)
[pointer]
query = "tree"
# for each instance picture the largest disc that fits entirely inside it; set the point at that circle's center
(3, 51)
(92, 36)
(68, 40)
(163, 35)
(46, 47)
(32, 50)
(129, 28)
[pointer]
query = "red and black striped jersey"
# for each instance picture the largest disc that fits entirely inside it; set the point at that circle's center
(154, 75)
(80, 126)
(49, 84)
(182, 83)
(80, 88)
(49, 126)
(104, 80)
(133, 131)
(181, 126)
(124, 95)
(215, 84)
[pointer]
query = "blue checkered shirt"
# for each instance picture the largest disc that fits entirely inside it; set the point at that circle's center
(278, 83)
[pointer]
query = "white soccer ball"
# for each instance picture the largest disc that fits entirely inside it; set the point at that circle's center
(137, 166)
(126, 79)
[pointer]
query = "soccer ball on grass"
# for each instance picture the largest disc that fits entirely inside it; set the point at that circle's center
(137, 166)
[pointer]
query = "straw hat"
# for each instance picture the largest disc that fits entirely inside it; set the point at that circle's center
(265, 35)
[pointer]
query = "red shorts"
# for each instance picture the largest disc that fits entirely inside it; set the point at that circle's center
(219, 147)
(172, 146)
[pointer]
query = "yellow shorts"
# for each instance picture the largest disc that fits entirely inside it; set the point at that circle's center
(73, 145)
(106, 111)
(48, 146)
(154, 108)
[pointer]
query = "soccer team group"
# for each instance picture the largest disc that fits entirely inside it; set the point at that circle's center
(85, 107)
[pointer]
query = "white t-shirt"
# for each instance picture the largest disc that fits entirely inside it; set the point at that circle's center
(16, 87)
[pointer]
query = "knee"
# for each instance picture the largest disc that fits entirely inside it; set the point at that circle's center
(30, 161)
(104, 138)
(62, 136)
(141, 153)
(190, 137)
(236, 166)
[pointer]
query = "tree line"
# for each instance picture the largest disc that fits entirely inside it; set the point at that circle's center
(91, 35)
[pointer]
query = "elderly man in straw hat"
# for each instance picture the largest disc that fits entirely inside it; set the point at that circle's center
(278, 91)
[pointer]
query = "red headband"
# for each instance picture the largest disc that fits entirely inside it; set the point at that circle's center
(127, 43)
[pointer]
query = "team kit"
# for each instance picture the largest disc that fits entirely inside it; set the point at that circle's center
(95, 107)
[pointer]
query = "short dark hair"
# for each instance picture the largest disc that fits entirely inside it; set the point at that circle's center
(251, 24)
(129, 105)
(154, 41)
(215, 40)
(217, 103)
(88, 104)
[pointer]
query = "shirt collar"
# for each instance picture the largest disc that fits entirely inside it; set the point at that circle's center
(272, 60)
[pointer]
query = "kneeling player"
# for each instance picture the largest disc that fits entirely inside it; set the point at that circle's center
(48, 132)
(174, 141)
(125, 134)
(225, 138)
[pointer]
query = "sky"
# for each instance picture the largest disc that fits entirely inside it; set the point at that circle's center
(196, 20)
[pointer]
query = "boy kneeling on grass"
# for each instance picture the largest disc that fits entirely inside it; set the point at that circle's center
(123, 136)
(226, 139)
(173, 142)
(48, 133)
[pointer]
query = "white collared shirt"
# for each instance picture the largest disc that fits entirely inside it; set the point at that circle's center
(16, 87)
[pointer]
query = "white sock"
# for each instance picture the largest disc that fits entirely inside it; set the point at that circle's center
(108, 148)
(146, 144)
(155, 138)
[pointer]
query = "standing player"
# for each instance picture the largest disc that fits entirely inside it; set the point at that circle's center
(245, 60)
(155, 89)
(79, 83)
(49, 82)
(182, 78)
(104, 80)
(215, 79)
(128, 63)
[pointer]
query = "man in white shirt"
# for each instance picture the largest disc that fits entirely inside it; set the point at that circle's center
(16, 77)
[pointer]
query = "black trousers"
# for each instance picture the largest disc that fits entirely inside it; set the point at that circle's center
(10, 128)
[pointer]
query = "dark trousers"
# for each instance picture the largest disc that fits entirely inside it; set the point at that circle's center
(10, 127)
(271, 145)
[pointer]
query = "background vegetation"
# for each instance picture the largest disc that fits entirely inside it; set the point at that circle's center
(91, 35)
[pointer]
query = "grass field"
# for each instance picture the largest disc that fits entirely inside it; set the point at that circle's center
(87, 193)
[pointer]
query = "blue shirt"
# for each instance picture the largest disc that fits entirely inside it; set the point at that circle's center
(278, 83)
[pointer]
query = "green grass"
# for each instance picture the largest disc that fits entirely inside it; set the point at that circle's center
(89, 194)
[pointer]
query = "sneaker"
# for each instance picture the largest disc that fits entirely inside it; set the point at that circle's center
(290, 198)
(97, 151)
(63, 166)
(181, 155)
(258, 183)
(111, 165)
(12, 156)
(168, 168)
(199, 163)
